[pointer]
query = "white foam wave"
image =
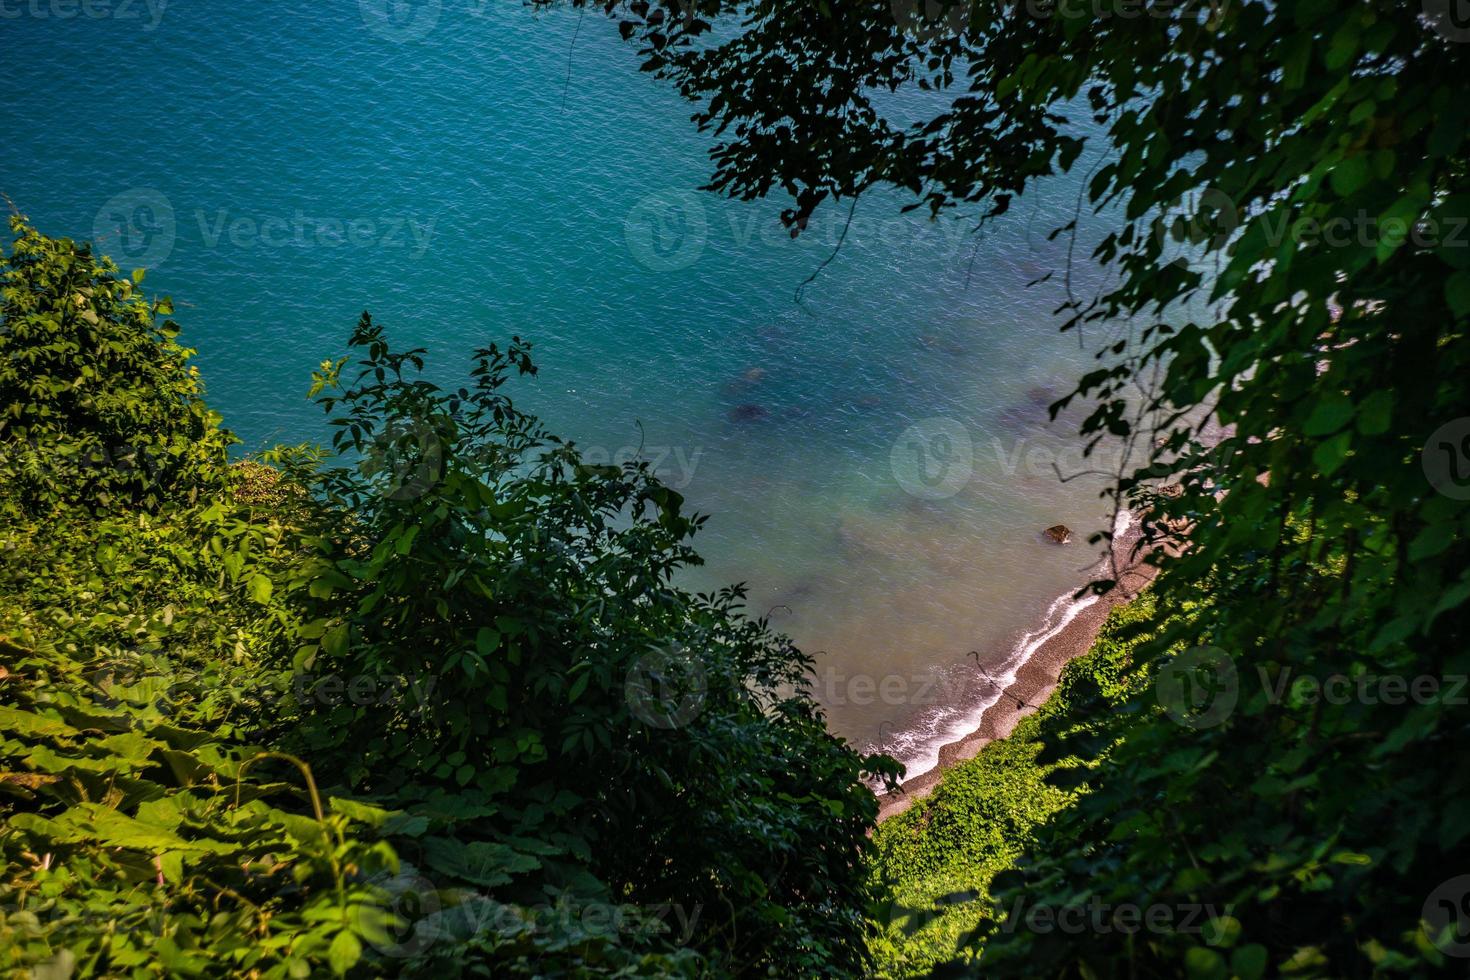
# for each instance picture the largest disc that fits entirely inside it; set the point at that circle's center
(918, 746)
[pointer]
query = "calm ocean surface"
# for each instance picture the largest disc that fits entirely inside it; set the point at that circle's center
(875, 459)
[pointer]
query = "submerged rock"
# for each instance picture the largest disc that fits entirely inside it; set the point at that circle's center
(934, 342)
(1032, 409)
(748, 379)
(774, 333)
(1041, 396)
(749, 412)
(1060, 533)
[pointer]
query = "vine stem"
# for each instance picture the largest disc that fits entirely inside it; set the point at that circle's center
(316, 805)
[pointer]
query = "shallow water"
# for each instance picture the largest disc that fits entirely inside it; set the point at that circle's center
(875, 457)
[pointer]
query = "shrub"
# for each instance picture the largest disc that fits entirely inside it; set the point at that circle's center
(102, 410)
(586, 771)
(561, 685)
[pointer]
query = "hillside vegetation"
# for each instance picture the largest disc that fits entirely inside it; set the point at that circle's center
(937, 859)
(424, 702)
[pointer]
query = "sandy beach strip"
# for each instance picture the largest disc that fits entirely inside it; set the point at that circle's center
(1035, 679)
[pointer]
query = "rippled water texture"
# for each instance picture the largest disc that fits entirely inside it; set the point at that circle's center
(875, 458)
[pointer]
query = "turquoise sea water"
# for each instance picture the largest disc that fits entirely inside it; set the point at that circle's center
(874, 458)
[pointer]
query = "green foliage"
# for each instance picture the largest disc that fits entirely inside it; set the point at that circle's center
(143, 830)
(536, 755)
(1282, 331)
(939, 857)
(101, 408)
(585, 700)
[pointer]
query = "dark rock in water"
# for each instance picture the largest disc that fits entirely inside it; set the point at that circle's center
(803, 591)
(1060, 533)
(1033, 409)
(1040, 396)
(774, 333)
(749, 412)
(1033, 271)
(929, 341)
(749, 379)
(1015, 419)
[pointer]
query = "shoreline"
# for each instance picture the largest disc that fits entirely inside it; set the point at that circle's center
(1035, 678)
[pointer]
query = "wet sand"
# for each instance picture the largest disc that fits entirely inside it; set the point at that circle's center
(1035, 679)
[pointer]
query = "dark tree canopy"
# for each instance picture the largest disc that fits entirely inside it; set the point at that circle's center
(1308, 157)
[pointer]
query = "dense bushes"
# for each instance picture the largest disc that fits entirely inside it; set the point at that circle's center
(100, 406)
(585, 701)
(426, 702)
